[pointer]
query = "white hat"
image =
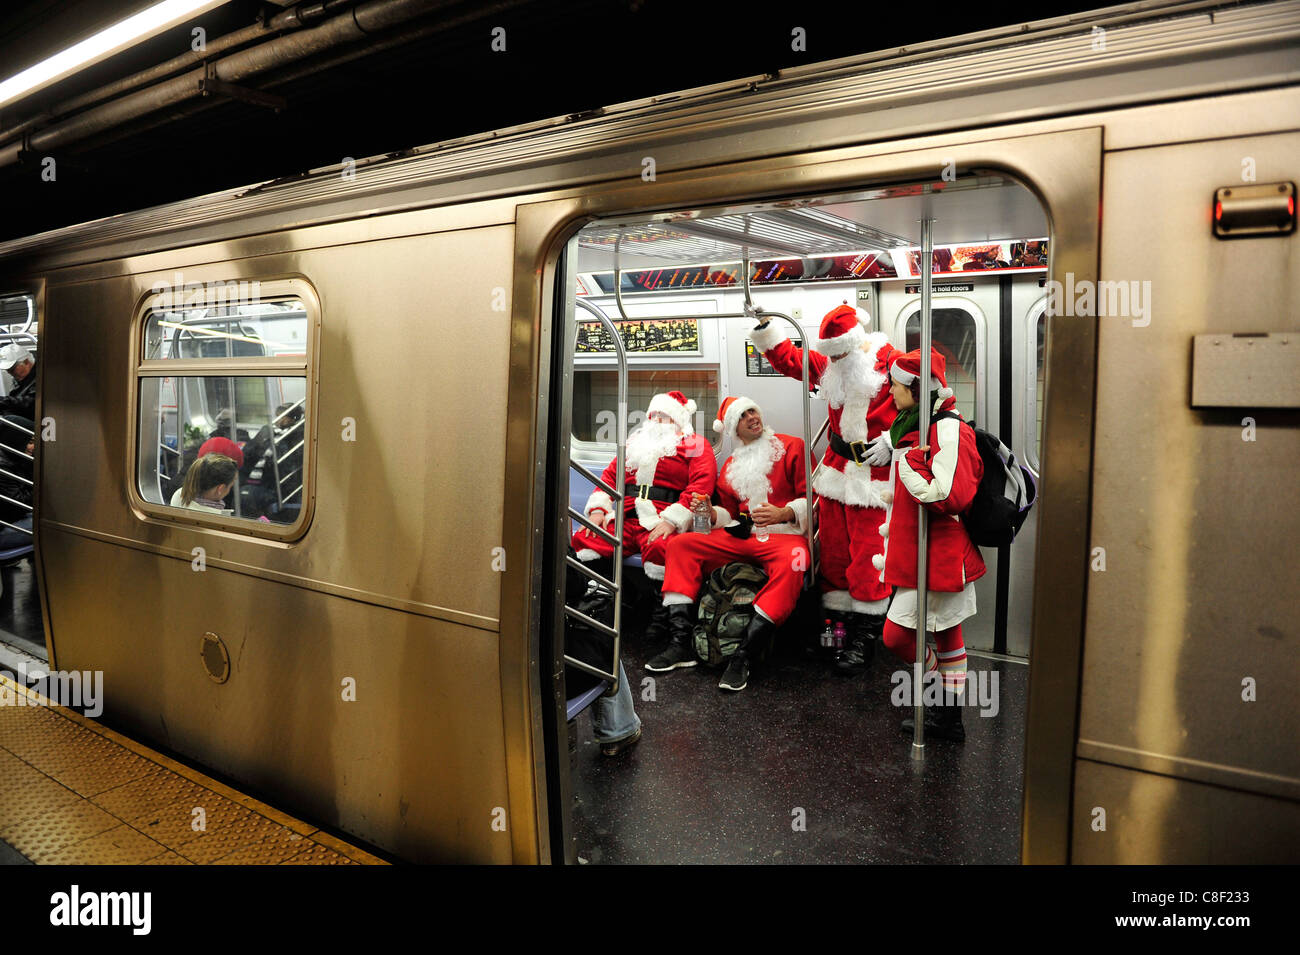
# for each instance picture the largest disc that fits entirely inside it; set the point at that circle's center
(676, 406)
(12, 354)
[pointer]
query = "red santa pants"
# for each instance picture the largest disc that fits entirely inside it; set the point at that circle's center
(850, 536)
(634, 542)
(783, 557)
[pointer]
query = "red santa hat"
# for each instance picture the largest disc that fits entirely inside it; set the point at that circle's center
(730, 411)
(843, 329)
(906, 368)
(220, 445)
(676, 406)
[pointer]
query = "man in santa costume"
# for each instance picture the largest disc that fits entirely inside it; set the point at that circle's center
(760, 518)
(851, 367)
(666, 464)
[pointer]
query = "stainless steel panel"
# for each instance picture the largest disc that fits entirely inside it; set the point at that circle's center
(1246, 371)
(400, 324)
(1160, 820)
(1198, 510)
(393, 767)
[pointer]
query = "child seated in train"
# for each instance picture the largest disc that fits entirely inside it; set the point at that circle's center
(207, 483)
(942, 476)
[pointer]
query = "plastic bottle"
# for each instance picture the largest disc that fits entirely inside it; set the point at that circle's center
(700, 522)
(841, 635)
(828, 635)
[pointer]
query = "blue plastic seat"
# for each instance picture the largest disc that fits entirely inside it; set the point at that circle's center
(583, 700)
(16, 554)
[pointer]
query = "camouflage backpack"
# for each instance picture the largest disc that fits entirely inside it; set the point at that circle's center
(726, 607)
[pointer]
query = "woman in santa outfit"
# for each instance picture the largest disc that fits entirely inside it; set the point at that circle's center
(851, 367)
(942, 476)
(761, 518)
(666, 463)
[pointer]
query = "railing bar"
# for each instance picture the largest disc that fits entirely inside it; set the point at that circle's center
(580, 566)
(590, 621)
(17, 477)
(614, 495)
(600, 531)
(588, 668)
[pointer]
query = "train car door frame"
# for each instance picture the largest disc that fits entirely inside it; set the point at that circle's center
(1063, 170)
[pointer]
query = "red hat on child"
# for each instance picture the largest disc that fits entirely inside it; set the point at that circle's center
(906, 368)
(224, 446)
(841, 331)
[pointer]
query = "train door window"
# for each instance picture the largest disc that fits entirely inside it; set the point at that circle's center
(224, 410)
(956, 335)
(17, 430)
(1036, 341)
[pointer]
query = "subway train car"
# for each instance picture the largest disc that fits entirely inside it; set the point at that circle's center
(370, 632)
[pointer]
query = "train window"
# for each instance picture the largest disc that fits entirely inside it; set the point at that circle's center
(1041, 340)
(595, 398)
(223, 422)
(954, 334)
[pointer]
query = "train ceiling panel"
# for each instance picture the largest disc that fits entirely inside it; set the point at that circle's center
(974, 208)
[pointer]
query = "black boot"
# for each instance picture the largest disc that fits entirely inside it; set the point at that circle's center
(756, 637)
(941, 722)
(656, 631)
(680, 651)
(864, 630)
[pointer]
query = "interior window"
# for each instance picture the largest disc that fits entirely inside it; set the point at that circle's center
(953, 335)
(595, 399)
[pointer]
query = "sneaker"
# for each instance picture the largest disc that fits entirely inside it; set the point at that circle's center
(674, 655)
(737, 676)
(620, 745)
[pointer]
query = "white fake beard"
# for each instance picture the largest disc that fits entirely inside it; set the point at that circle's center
(648, 444)
(847, 378)
(750, 466)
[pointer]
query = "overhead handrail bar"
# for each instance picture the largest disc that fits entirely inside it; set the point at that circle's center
(750, 311)
(616, 497)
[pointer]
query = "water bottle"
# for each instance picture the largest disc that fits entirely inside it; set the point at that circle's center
(760, 533)
(701, 522)
(841, 635)
(828, 635)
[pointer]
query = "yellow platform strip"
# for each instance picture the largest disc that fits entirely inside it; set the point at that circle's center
(73, 792)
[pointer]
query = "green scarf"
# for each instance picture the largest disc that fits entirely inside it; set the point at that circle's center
(909, 420)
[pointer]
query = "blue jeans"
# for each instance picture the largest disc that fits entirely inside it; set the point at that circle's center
(614, 717)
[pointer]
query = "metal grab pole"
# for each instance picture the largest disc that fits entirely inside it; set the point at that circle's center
(923, 516)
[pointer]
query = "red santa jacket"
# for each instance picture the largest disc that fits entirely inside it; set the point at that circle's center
(944, 480)
(690, 470)
(766, 471)
(859, 418)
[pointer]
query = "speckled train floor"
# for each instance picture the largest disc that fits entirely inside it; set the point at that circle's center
(721, 777)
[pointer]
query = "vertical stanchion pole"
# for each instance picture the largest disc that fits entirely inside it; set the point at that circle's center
(923, 516)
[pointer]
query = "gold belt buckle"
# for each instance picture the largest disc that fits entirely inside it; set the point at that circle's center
(643, 491)
(857, 455)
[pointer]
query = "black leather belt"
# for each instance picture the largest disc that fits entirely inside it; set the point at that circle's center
(651, 493)
(855, 451)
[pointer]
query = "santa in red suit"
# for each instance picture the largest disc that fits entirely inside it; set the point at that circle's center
(851, 367)
(666, 465)
(761, 518)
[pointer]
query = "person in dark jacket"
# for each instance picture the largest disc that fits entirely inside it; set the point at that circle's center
(18, 408)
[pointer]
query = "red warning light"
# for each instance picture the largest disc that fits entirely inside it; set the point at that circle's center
(1290, 205)
(1218, 210)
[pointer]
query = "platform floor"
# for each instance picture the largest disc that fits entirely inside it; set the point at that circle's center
(803, 766)
(73, 792)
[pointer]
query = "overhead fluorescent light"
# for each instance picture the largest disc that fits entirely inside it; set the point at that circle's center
(125, 33)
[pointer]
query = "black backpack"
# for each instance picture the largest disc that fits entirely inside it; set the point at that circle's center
(1005, 495)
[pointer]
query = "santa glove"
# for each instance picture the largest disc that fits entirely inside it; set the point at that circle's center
(879, 450)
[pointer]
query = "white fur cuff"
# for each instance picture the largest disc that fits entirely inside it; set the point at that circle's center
(587, 554)
(653, 571)
(599, 501)
(677, 515)
(800, 507)
(724, 517)
(767, 337)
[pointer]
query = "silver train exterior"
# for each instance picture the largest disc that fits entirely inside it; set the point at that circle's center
(431, 278)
